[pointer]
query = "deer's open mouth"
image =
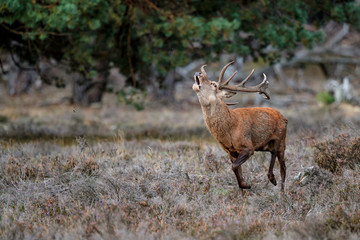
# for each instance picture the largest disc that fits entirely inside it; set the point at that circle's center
(196, 77)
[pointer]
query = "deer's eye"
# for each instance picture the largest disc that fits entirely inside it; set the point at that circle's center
(213, 84)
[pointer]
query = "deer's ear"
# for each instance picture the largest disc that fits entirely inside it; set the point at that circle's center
(225, 93)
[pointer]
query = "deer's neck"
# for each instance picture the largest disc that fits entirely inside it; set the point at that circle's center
(218, 118)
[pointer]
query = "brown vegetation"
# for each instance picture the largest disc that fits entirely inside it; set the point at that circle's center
(335, 154)
(170, 180)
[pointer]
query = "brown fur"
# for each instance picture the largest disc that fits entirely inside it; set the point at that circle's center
(242, 131)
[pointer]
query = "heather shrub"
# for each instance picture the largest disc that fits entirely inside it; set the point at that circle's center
(158, 174)
(335, 154)
(341, 217)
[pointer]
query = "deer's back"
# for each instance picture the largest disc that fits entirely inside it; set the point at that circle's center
(259, 125)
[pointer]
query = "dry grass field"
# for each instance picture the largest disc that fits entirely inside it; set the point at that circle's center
(110, 172)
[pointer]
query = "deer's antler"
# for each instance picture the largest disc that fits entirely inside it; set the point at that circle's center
(222, 75)
(260, 88)
(203, 72)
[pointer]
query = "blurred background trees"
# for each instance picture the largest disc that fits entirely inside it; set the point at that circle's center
(146, 41)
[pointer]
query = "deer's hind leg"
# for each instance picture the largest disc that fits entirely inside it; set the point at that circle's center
(280, 155)
(270, 174)
(272, 145)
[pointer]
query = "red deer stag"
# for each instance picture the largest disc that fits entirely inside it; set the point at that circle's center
(242, 131)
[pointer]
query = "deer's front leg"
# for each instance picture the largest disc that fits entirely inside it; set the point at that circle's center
(236, 167)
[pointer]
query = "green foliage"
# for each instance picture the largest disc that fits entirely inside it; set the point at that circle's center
(132, 96)
(145, 37)
(3, 119)
(347, 12)
(325, 97)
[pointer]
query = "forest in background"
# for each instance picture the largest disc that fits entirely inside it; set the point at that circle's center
(102, 137)
(152, 45)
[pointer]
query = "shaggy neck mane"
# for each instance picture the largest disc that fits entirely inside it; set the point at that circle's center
(217, 116)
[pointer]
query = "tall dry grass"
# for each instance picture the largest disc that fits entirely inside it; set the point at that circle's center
(114, 173)
(150, 188)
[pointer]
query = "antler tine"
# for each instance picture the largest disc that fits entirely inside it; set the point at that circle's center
(260, 88)
(242, 84)
(203, 71)
(223, 71)
(231, 103)
(264, 86)
(227, 81)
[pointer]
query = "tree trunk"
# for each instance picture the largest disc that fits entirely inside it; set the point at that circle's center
(165, 92)
(87, 91)
(169, 87)
(19, 80)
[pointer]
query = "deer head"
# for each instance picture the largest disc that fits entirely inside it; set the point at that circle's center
(209, 91)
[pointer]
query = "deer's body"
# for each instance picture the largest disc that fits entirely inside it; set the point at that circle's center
(242, 131)
(246, 124)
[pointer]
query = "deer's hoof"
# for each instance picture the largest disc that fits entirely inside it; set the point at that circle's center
(244, 185)
(272, 179)
(282, 189)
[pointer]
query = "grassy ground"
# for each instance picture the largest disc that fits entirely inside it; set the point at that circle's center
(109, 172)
